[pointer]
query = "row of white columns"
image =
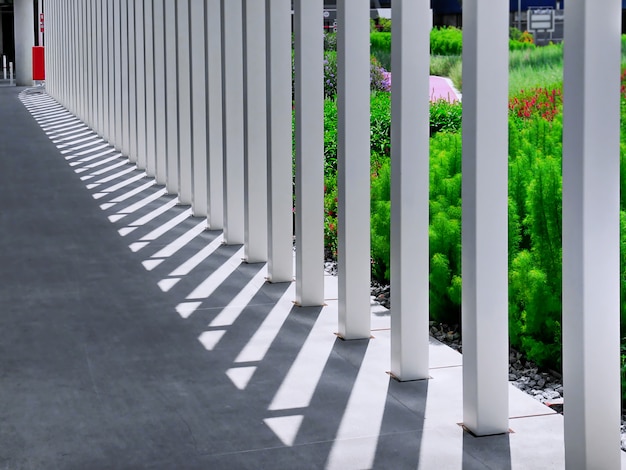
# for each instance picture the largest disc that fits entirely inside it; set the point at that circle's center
(198, 94)
(164, 83)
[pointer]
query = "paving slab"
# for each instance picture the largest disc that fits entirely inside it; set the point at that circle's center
(133, 338)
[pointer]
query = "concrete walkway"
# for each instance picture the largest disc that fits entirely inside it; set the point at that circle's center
(441, 88)
(132, 338)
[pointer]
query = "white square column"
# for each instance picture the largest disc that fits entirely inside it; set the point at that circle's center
(185, 159)
(73, 26)
(67, 64)
(140, 71)
(132, 84)
(149, 80)
(255, 130)
(63, 42)
(82, 59)
(110, 72)
(171, 97)
(160, 109)
(410, 146)
(309, 88)
(89, 78)
(353, 172)
(50, 42)
(279, 141)
(233, 135)
(591, 234)
(125, 130)
(215, 145)
(99, 69)
(58, 56)
(75, 53)
(199, 108)
(118, 87)
(485, 304)
(53, 44)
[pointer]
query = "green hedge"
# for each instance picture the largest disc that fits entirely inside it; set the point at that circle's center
(380, 48)
(535, 202)
(534, 231)
(446, 41)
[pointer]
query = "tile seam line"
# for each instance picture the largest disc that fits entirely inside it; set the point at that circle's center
(304, 444)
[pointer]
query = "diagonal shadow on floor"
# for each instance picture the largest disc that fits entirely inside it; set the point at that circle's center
(133, 338)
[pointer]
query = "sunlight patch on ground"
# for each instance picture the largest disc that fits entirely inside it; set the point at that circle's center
(240, 376)
(286, 428)
(364, 412)
(301, 381)
(265, 335)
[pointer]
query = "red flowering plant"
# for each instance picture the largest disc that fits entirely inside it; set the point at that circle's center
(537, 102)
(330, 217)
(623, 84)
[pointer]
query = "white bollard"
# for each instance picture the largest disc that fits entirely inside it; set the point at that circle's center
(11, 73)
(4, 66)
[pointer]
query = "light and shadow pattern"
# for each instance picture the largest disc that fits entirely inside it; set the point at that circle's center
(307, 396)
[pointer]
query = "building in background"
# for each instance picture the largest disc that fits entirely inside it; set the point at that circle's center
(21, 28)
(7, 43)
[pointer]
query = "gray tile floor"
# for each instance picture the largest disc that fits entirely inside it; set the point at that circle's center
(132, 338)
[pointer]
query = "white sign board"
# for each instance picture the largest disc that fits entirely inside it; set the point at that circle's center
(541, 19)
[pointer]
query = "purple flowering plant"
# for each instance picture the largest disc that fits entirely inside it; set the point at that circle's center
(380, 79)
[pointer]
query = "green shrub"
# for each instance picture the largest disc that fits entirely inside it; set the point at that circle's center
(538, 67)
(381, 221)
(384, 25)
(380, 78)
(446, 41)
(515, 34)
(519, 45)
(444, 230)
(537, 102)
(330, 41)
(623, 370)
(330, 138)
(441, 65)
(380, 48)
(534, 226)
(535, 272)
(380, 128)
(535, 200)
(445, 116)
(330, 74)
(445, 227)
(623, 266)
(330, 216)
(537, 57)
(456, 75)
(535, 328)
